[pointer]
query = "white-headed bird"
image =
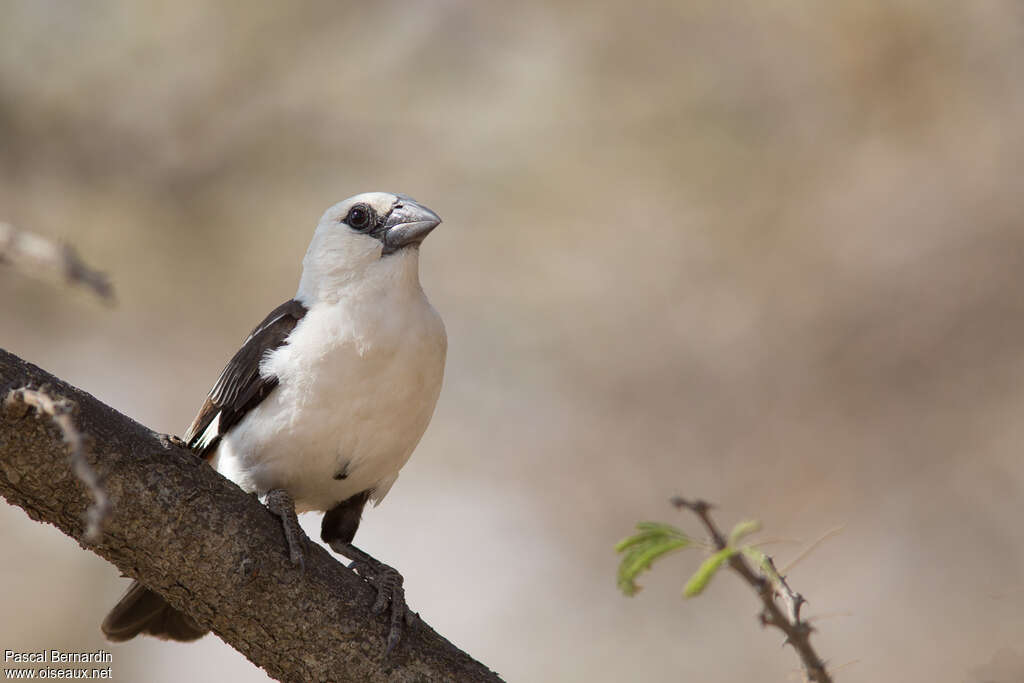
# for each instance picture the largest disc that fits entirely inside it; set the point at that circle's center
(326, 399)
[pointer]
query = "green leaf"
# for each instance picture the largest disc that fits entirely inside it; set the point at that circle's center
(699, 581)
(650, 531)
(742, 530)
(642, 549)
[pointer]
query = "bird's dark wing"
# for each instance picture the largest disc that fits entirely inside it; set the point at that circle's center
(240, 386)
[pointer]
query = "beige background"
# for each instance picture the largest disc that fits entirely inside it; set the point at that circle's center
(768, 253)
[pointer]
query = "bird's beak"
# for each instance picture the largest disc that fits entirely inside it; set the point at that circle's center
(407, 224)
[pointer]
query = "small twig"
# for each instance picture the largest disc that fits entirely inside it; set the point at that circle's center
(796, 630)
(61, 410)
(29, 251)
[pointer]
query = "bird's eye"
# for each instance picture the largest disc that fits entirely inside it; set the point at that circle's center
(360, 217)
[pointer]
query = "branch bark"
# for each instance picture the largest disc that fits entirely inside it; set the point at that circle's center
(206, 546)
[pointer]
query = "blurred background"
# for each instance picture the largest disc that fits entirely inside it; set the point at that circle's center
(765, 253)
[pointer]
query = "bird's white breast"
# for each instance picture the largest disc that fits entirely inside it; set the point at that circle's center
(358, 381)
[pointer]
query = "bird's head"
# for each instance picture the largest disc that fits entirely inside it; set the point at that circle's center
(370, 235)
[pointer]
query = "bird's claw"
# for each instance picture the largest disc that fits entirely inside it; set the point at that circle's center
(388, 583)
(390, 593)
(171, 440)
(297, 557)
(281, 504)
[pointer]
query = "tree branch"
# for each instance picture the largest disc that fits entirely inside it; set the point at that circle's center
(797, 631)
(31, 252)
(203, 544)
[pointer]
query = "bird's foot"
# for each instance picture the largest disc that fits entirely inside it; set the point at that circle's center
(387, 581)
(171, 440)
(281, 504)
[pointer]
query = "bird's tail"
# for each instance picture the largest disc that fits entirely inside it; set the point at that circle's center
(143, 611)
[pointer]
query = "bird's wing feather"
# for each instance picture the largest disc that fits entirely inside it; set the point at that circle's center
(240, 386)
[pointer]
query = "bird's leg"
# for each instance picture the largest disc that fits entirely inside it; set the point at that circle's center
(282, 505)
(388, 584)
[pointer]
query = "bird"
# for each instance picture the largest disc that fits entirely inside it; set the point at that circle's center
(326, 399)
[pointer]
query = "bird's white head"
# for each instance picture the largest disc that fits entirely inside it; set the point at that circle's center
(371, 237)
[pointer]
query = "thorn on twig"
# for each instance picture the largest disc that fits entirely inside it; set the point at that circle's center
(28, 252)
(798, 602)
(60, 410)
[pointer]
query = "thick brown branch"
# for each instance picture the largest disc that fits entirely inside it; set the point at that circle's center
(797, 631)
(206, 546)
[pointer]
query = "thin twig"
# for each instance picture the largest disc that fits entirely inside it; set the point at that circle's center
(796, 630)
(29, 252)
(61, 410)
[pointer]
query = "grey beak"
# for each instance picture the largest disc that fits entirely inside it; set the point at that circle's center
(407, 224)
